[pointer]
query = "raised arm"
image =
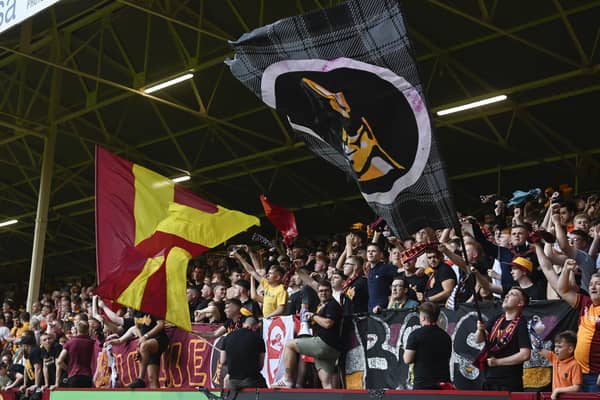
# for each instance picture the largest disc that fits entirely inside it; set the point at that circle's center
(593, 251)
(347, 253)
(565, 290)
(546, 266)
(253, 292)
(307, 279)
(561, 236)
(546, 223)
(458, 260)
(110, 314)
(249, 268)
(256, 260)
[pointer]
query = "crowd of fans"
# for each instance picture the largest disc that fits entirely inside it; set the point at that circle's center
(545, 247)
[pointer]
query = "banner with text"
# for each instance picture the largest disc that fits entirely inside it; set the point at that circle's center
(374, 344)
(13, 12)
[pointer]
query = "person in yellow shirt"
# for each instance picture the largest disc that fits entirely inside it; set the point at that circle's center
(276, 296)
(21, 325)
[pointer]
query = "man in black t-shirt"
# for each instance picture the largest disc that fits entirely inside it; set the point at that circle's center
(250, 308)
(508, 344)
(33, 376)
(429, 348)
(244, 355)
(416, 281)
(152, 342)
(234, 320)
(50, 352)
(441, 282)
(195, 301)
(355, 297)
(324, 346)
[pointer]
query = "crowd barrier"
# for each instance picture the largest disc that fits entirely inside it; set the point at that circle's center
(296, 394)
(374, 346)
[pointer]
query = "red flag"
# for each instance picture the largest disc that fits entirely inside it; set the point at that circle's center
(282, 218)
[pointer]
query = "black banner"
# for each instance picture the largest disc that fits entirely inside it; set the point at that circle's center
(377, 345)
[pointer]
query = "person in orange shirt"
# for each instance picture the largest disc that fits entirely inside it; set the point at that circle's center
(566, 372)
(587, 350)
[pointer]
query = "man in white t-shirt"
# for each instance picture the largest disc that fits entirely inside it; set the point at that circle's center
(4, 331)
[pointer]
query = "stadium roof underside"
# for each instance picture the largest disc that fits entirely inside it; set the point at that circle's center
(76, 69)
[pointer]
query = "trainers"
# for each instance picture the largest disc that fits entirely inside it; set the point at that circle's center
(138, 383)
(282, 383)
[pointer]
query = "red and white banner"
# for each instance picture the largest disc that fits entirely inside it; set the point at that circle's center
(276, 332)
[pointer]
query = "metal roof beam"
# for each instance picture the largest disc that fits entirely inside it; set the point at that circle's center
(512, 30)
(504, 32)
(576, 42)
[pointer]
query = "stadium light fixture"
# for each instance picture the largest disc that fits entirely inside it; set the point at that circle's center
(183, 178)
(9, 222)
(168, 83)
(473, 104)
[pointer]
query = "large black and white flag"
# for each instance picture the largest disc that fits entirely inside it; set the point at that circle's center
(347, 81)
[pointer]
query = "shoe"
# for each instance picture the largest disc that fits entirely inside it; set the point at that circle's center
(138, 383)
(282, 384)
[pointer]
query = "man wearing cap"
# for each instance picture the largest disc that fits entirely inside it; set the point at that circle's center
(429, 348)
(587, 351)
(519, 248)
(507, 345)
(521, 269)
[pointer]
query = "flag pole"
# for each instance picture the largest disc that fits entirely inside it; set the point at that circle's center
(459, 232)
(205, 340)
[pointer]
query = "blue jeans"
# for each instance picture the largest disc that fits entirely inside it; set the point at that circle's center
(589, 383)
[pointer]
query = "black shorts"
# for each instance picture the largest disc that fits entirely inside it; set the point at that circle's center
(163, 343)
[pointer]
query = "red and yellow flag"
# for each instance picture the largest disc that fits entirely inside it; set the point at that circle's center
(147, 229)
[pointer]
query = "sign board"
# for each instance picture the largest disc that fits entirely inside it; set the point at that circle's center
(13, 12)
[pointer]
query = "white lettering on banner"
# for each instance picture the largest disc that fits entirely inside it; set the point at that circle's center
(378, 363)
(13, 12)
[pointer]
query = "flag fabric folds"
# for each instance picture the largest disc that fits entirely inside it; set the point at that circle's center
(147, 229)
(347, 81)
(282, 218)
